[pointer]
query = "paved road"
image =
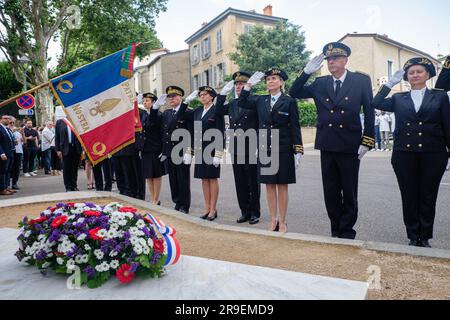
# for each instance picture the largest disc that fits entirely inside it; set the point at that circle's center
(379, 200)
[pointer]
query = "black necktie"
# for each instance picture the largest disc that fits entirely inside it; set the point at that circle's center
(338, 87)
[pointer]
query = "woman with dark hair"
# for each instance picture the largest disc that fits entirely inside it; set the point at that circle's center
(207, 164)
(277, 113)
(422, 144)
(151, 140)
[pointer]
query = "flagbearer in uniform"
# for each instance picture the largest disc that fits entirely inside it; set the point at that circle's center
(151, 147)
(207, 166)
(340, 136)
(178, 116)
(276, 111)
(422, 145)
(245, 168)
(443, 81)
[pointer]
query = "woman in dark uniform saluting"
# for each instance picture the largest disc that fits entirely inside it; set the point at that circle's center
(276, 111)
(152, 168)
(207, 166)
(422, 144)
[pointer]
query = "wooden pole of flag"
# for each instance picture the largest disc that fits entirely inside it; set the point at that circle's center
(8, 101)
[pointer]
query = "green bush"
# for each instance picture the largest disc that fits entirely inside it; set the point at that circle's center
(308, 114)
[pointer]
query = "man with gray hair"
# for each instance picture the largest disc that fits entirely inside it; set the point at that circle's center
(48, 141)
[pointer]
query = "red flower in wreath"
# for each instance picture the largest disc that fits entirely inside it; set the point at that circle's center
(125, 274)
(158, 246)
(93, 234)
(128, 209)
(71, 204)
(38, 220)
(92, 213)
(147, 219)
(59, 221)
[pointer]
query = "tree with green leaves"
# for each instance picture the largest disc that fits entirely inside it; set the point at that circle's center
(9, 87)
(262, 48)
(87, 30)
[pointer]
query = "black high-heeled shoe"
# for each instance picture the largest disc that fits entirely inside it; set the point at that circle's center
(205, 216)
(214, 217)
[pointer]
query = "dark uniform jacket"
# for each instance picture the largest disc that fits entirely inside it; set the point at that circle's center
(425, 131)
(339, 127)
(62, 139)
(240, 118)
(150, 140)
(171, 122)
(284, 117)
(443, 81)
(211, 120)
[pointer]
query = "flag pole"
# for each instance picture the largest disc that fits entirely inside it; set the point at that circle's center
(8, 101)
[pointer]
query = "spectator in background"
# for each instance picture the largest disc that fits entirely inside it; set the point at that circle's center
(31, 149)
(48, 141)
(377, 131)
(385, 130)
(18, 155)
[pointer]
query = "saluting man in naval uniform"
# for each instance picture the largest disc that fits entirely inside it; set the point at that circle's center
(340, 137)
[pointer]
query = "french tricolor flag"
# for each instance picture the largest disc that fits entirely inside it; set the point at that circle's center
(99, 100)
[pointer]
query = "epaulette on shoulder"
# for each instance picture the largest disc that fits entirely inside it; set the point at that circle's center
(438, 90)
(362, 73)
(190, 108)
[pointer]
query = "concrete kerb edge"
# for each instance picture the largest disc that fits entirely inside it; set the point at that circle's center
(368, 245)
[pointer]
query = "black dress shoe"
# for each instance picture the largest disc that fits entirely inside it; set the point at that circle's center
(243, 219)
(204, 217)
(75, 189)
(213, 218)
(415, 243)
(15, 187)
(254, 220)
(426, 244)
(183, 210)
(159, 203)
(177, 208)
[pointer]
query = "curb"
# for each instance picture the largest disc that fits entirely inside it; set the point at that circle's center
(367, 245)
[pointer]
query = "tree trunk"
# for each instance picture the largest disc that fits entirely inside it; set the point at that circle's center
(45, 109)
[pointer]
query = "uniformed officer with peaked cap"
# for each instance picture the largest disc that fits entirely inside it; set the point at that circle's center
(340, 136)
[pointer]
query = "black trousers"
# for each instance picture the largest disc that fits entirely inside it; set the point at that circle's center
(102, 175)
(340, 174)
(71, 163)
(180, 184)
(15, 174)
(29, 157)
(419, 176)
(248, 189)
(129, 176)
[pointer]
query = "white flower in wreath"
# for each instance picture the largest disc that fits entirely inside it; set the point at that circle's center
(20, 245)
(99, 254)
(111, 234)
(27, 234)
(150, 242)
(134, 241)
(47, 212)
(140, 224)
(123, 222)
(146, 250)
(79, 259)
(102, 233)
(80, 205)
(70, 264)
(60, 261)
(46, 265)
(87, 247)
(114, 264)
(26, 259)
(138, 249)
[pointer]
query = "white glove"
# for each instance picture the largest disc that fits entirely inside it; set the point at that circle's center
(448, 165)
(160, 102)
(162, 158)
(216, 162)
(315, 64)
(228, 87)
(187, 159)
(192, 97)
(298, 157)
(255, 78)
(395, 79)
(362, 152)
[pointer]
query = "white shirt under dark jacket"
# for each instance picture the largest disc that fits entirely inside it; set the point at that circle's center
(342, 79)
(417, 97)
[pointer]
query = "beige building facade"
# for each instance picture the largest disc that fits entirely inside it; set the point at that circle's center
(165, 69)
(210, 46)
(380, 57)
